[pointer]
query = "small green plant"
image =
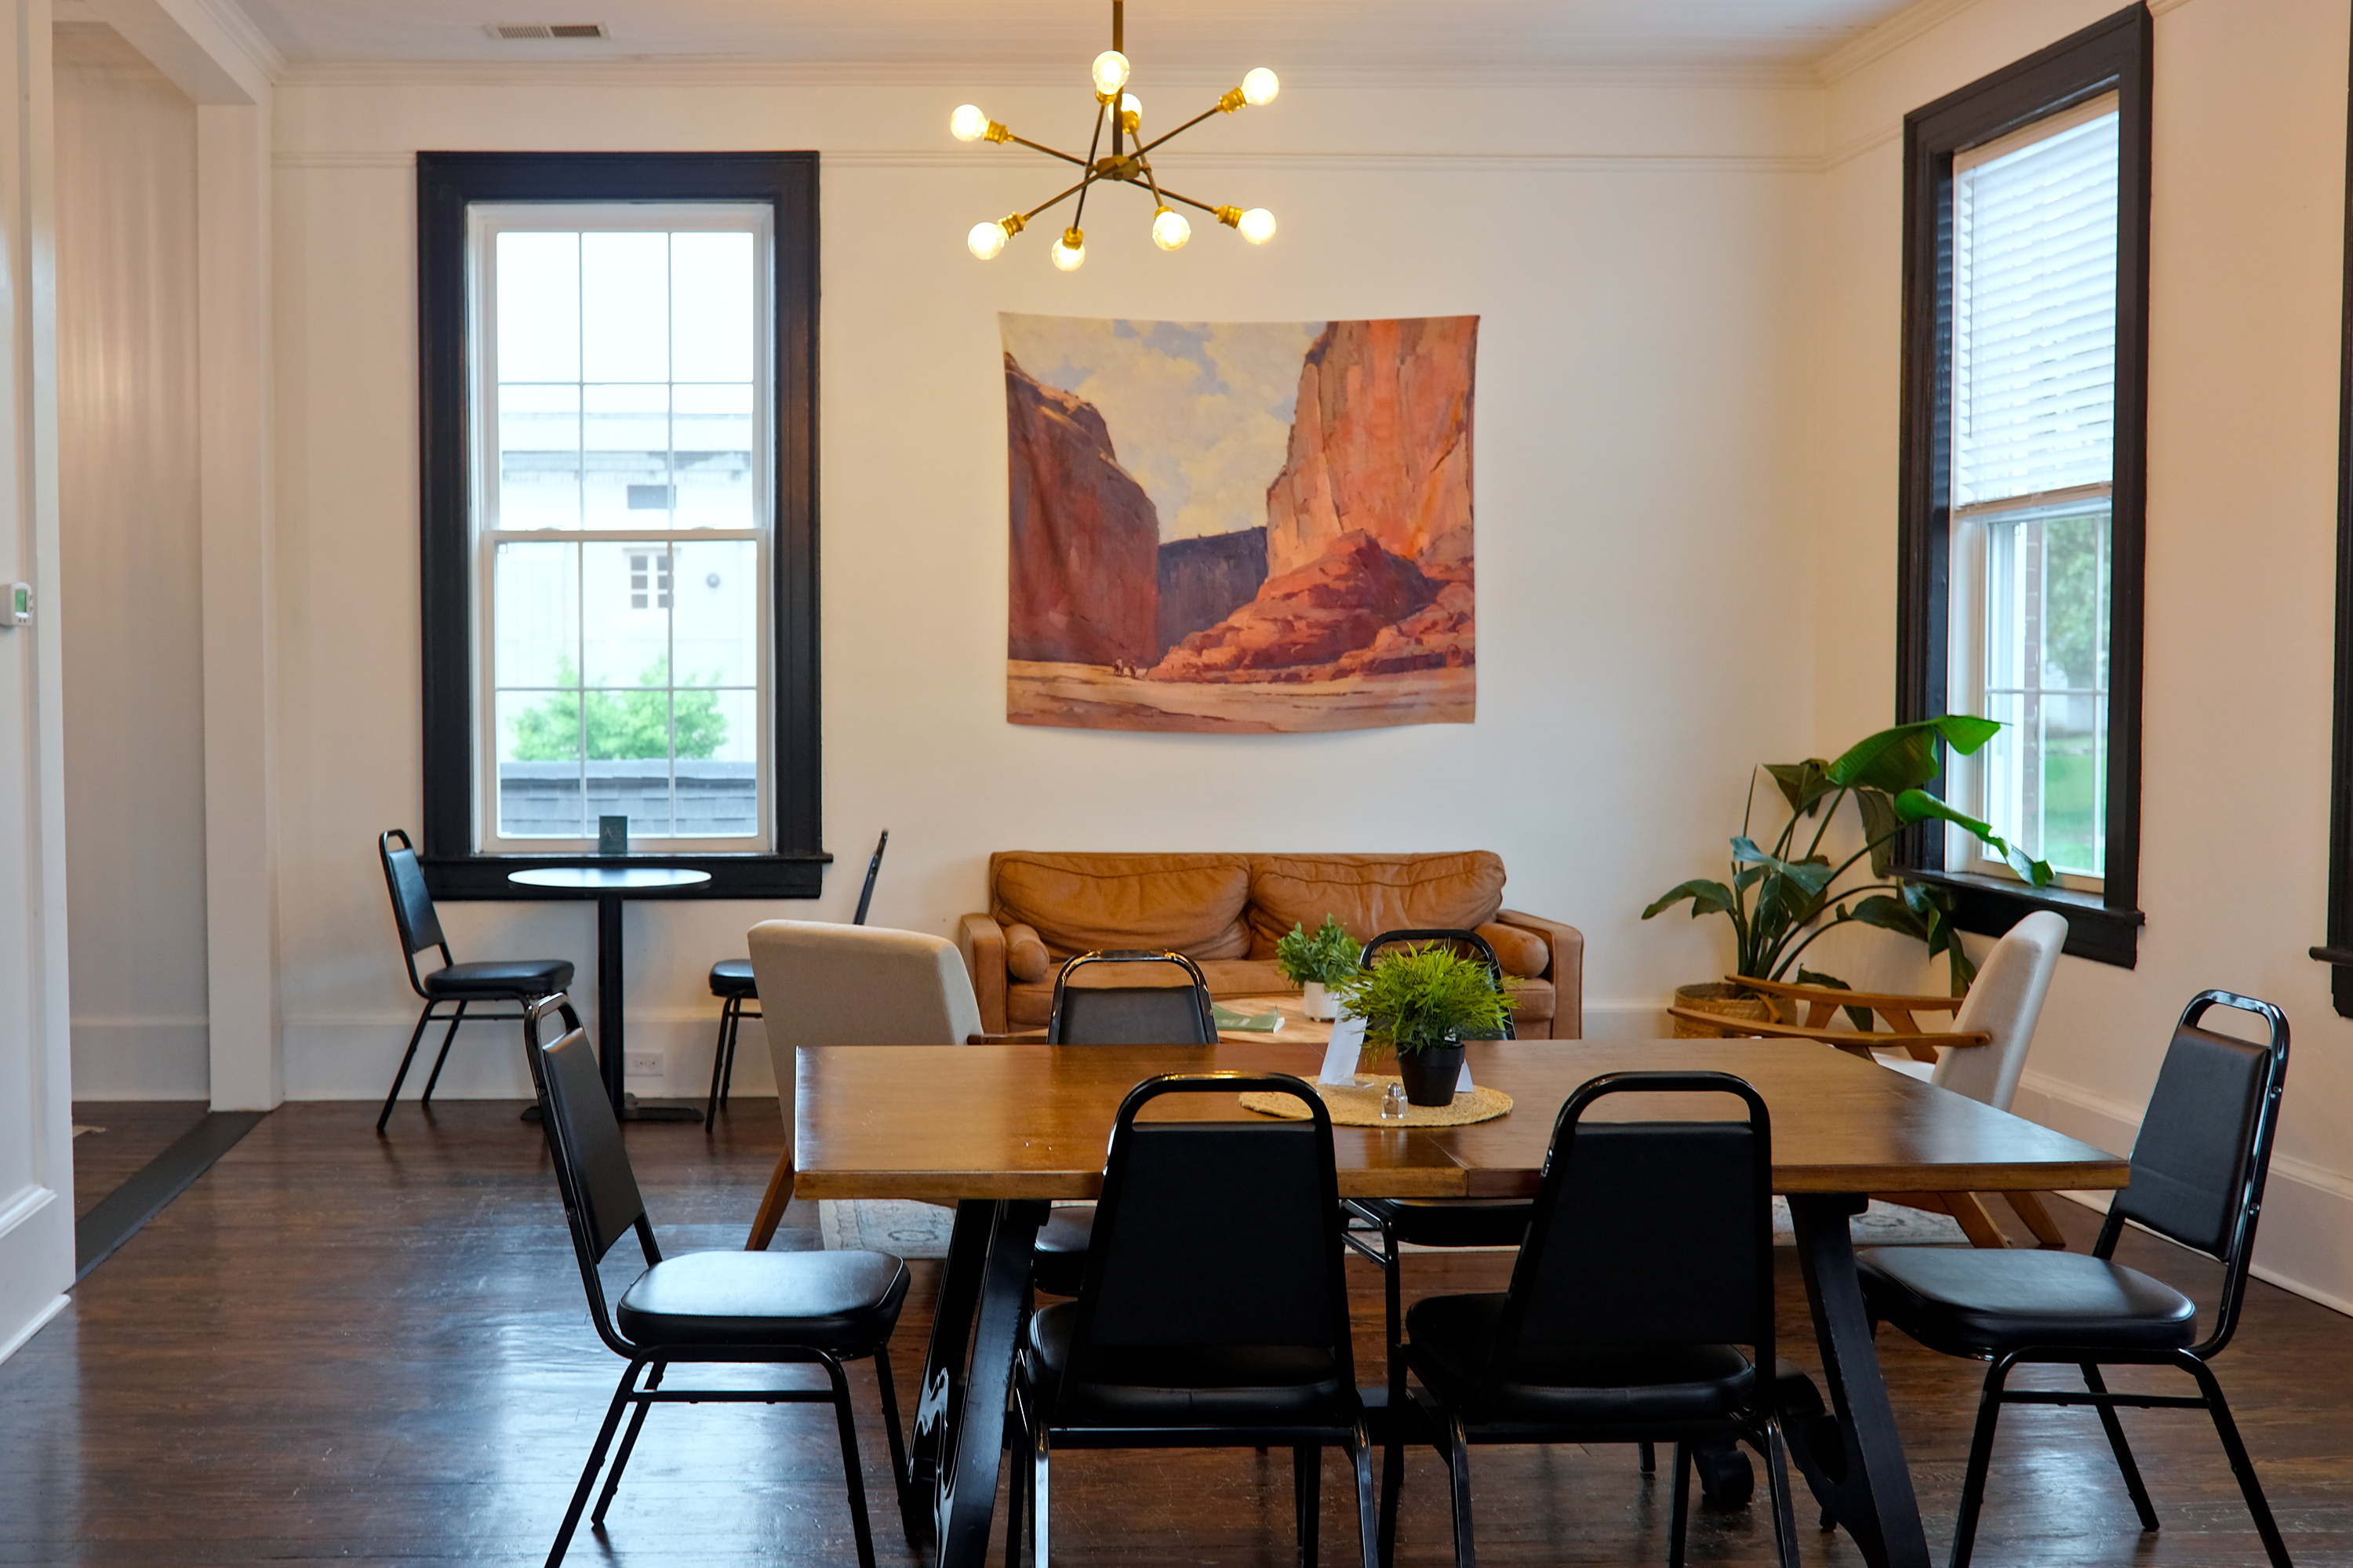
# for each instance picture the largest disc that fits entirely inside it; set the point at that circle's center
(1423, 997)
(1325, 956)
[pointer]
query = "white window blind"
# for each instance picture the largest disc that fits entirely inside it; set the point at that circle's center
(2034, 310)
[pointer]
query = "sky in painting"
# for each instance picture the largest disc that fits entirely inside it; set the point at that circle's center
(1199, 412)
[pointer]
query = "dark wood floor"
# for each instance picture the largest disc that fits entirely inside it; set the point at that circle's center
(337, 1348)
(124, 1135)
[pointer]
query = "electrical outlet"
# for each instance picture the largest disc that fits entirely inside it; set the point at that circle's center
(645, 1065)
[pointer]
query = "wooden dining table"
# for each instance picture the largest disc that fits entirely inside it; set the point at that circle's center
(999, 1131)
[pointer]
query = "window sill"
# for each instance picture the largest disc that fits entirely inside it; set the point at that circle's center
(483, 878)
(1991, 905)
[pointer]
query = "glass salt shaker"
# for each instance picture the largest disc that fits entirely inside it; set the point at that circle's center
(1393, 1103)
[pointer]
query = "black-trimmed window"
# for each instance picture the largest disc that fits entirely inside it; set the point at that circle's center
(618, 362)
(2025, 334)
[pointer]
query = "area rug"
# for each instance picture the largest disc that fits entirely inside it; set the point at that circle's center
(1881, 1224)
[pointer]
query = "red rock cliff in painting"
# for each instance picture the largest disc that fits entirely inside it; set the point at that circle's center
(1380, 442)
(1086, 539)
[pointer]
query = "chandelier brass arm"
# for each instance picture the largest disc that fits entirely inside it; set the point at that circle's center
(1127, 161)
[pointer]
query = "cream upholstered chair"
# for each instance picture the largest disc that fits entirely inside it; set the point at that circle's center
(2004, 1003)
(822, 984)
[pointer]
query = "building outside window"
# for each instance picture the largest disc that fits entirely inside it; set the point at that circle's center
(622, 481)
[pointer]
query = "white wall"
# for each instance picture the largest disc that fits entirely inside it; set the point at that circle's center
(132, 598)
(2245, 283)
(1639, 257)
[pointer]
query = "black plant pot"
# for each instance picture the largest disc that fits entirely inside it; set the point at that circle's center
(1431, 1075)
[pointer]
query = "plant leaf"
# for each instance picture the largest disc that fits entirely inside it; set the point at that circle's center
(1879, 826)
(1707, 896)
(1918, 806)
(1891, 914)
(1804, 784)
(1909, 755)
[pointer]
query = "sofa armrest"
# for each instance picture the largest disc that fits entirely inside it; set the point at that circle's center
(981, 941)
(1567, 971)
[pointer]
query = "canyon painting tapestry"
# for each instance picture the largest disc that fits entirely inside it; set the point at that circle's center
(1235, 527)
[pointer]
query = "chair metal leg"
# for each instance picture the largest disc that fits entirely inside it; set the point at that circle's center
(1306, 1498)
(1458, 1476)
(2115, 1431)
(853, 1472)
(2241, 1464)
(441, 1057)
(1369, 1547)
(1650, 1458)
(1040, 1496)
(1017, 1480)
(1393, 1451)
(1964, 1524)
(596, 1462)
(1679, 1512)
(629, 1445)
(407, 1057)
(718, 1063)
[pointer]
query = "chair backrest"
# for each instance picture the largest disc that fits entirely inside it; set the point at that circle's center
(1213, 1233)
(1456, 937)
(1175, 1014)
(1650, 1232)
(2005, 1002)
(601, 1201)
(822, 984)
(2205, 1145)
(412, 904)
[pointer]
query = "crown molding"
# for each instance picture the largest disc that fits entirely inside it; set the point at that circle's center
(1325, 162)
(1887, 37)
(230, 18)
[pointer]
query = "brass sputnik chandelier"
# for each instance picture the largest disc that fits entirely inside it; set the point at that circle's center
(1124, 115)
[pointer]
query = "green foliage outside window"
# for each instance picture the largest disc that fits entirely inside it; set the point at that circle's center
(645, 721)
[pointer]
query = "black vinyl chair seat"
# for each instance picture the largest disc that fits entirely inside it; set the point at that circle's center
(1976, 1302)
(732, 977)
(1451, 1222)
(835, 1300)
(501, 980)
(1205, 1385)
(1453, 1346)
(1061, 1252)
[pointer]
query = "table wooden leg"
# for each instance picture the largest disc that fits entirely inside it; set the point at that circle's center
(1855, 1466)
(959, 1434)
(772, 1207)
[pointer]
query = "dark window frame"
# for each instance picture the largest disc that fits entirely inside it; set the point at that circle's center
(446, 183)
(2339, 950)
(2114, 55)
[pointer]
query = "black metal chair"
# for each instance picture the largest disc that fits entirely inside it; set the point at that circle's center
(2197, 1170)
(732, 982)
(453, 985)
(1114, 1015)
(1648, 1263)
(760, 1308)
(1214, 1310)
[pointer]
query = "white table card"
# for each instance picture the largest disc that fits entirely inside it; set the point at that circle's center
(1340, 1056)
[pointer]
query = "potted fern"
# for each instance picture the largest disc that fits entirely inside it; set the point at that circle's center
(1425, 1001)
(1783, 898)
(1317, 960)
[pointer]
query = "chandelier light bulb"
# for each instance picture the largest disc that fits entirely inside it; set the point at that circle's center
(1259, 87)
(986, 240)
(1169, 229)
(968, 123)
(1110, 72)
(1070, 252)
(1257, 226)
(1130, 105)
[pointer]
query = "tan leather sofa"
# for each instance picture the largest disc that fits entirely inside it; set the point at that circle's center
(1225, 912)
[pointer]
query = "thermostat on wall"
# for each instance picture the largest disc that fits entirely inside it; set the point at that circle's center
(19, 609)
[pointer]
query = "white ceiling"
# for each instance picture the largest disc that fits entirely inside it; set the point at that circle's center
(1302, 38)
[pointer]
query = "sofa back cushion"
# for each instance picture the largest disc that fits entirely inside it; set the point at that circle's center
(1077, 903)
(1370, 894)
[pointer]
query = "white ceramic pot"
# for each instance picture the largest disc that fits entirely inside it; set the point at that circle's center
(1318, 1002)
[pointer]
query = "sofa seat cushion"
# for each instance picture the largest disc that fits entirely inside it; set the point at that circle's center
(1371, 893)
(1029, 1006)
(1520, 950)
(1080, 902)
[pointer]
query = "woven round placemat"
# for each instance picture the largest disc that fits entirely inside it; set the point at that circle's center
(1360, 1106)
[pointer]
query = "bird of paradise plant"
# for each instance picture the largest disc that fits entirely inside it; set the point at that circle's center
(1783, 899)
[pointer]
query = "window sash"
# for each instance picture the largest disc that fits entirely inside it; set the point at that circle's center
(485, 222)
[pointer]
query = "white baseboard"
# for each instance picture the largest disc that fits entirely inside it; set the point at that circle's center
(354, 1058)
(1642, 1019)
(37, 1262)
(2305, 1241)
(142, 1059)
(39, 1320)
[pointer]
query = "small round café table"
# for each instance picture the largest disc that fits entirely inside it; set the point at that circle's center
(608, 886)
